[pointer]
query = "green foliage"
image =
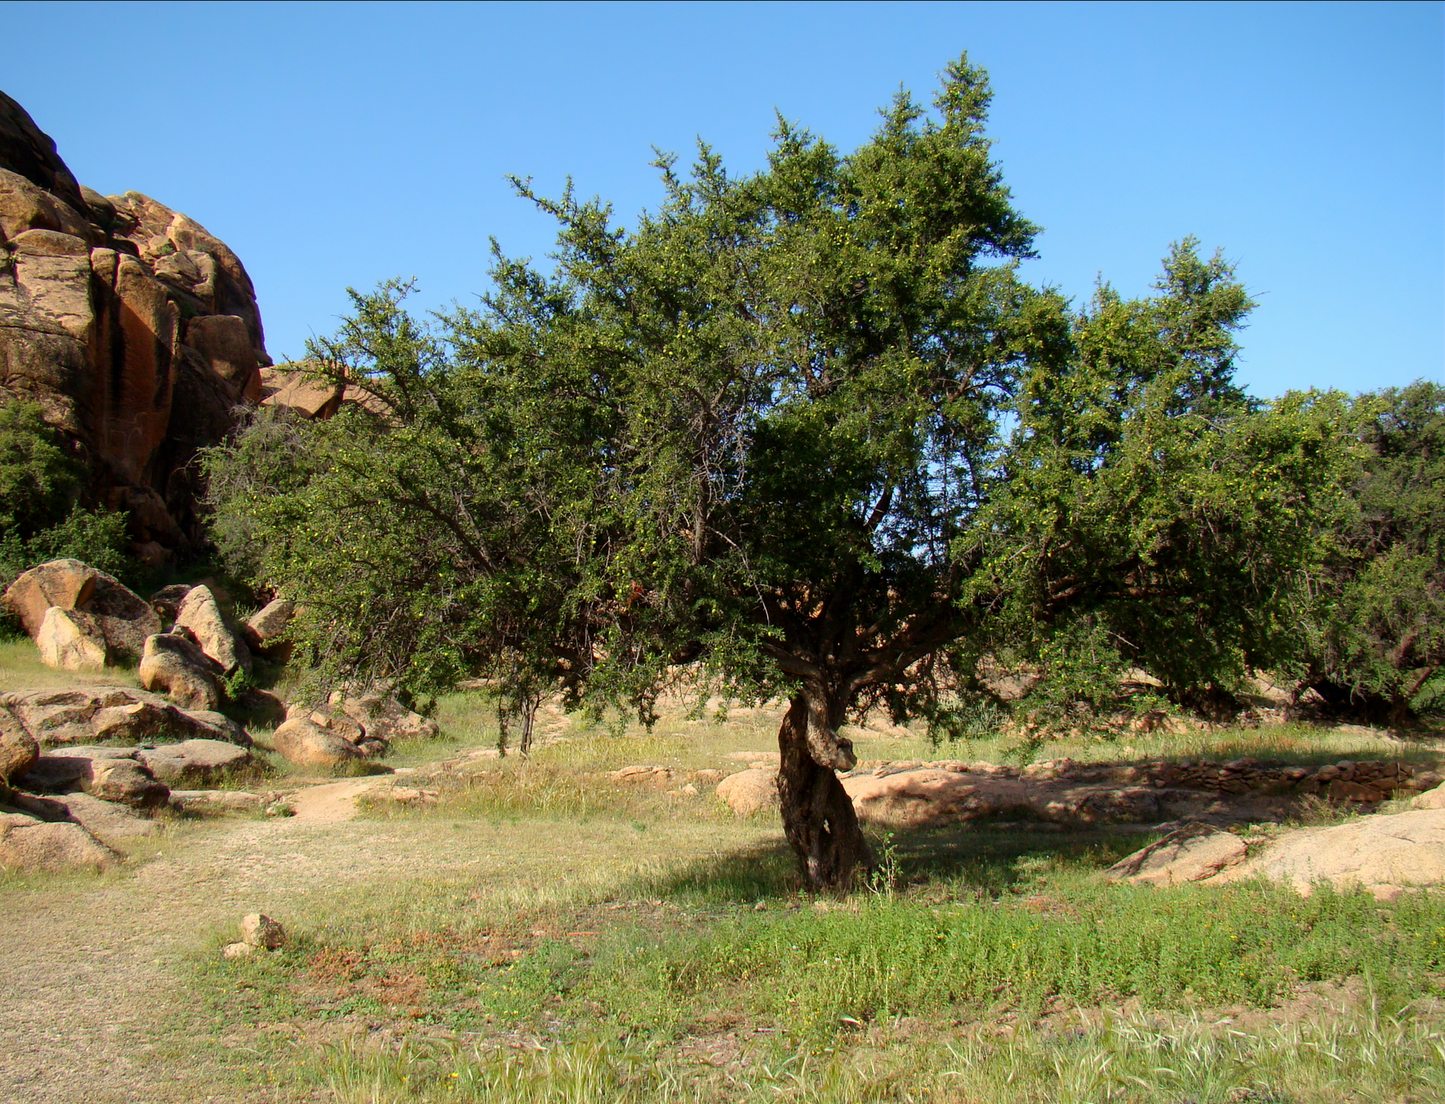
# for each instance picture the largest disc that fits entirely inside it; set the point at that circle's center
(1152, 516)
(41, 516)
(808, 428)
(1375, 619)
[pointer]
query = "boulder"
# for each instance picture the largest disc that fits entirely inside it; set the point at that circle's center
(18, 749)
(167, 601)
(1188, 854)
(135, 329)
(207, 724)
(116, 620)
(200, 616)
(382, 717)
(261, 931)
(1385, 854)
(29, 844)
(296, 389)
(71, 641)
(125, 781)
(262, 707)
(303, 742)
(65, 584)
(195, 762)
(175, 665)
(110, 774)
(263, 628)
(101, 714)
(749, 791)
(125, 617)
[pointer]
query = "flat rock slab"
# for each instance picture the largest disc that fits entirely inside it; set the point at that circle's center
(195, 762)
(103, 714)
(928, 797)
(108, 822)
(1188, 854)
(33, 845)
(230, 801)
(1385, 854)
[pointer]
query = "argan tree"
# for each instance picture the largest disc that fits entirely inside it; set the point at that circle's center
(755, 440)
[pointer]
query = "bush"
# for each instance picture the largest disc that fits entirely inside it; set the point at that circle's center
(42, 515)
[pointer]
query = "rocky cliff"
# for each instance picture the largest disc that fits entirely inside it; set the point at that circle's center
(134, 328)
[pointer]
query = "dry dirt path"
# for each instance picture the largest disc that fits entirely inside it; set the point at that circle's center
(94, 970)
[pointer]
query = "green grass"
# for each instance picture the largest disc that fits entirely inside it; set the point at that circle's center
(21, 669)
(1362, 1055)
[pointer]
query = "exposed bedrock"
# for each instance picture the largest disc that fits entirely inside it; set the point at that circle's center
(134, 328)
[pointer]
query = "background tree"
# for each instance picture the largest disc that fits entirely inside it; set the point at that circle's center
(1153, 516)
(1374, 621)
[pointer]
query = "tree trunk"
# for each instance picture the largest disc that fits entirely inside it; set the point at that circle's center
(818, 816)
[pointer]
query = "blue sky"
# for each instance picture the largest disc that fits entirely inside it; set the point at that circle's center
(338, 144)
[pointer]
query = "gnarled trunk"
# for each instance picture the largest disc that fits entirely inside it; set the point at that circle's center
(818, 816)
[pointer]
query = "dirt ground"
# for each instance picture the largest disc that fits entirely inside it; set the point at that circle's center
(92, 966)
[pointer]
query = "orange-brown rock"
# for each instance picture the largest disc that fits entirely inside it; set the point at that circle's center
(133, 327)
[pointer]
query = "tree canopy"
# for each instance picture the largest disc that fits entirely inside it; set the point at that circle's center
(801, 433)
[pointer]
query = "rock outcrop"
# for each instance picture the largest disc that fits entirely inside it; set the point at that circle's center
(1188, 854)
(133, 327)
(1386, 855)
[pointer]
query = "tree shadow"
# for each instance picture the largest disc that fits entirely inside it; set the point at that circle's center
(978, 858)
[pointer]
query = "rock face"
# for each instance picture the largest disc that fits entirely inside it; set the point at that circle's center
(101, 714)
(80, 618)
(134, 328)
